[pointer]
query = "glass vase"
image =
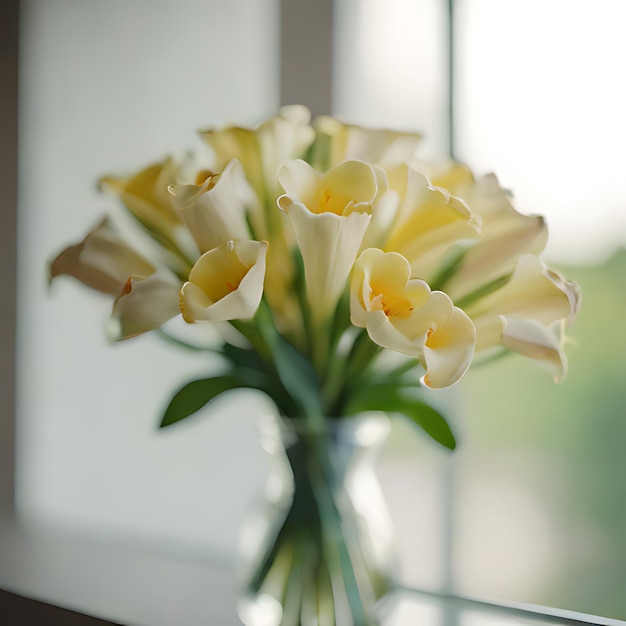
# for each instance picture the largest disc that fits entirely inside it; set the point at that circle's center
(319, 550)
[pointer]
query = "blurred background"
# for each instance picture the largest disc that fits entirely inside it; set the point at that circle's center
(532, 506)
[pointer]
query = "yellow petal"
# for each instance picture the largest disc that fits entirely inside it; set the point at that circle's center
(449, 350)
(330, 214)
(402, 314)
(226, 283)
(506, 235)
(337, 141)
(146, 197)
(351, 186)
(262, 150)
(429, 222)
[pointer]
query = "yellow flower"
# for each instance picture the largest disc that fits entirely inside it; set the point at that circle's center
(146, 196)
(403, 314)
(226, 283)
(337, 141)
(428, 223)
(505, 235)
(330, 214)
(102, 261)
(214, 209)
(144, 304)
(262, 150)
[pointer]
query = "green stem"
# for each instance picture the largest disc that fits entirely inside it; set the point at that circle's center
(255, 337)
(321, 471)
(361, 356)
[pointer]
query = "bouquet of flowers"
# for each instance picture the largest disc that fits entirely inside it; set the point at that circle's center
(341, 271)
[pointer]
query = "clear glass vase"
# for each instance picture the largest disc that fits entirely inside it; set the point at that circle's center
(319, 550)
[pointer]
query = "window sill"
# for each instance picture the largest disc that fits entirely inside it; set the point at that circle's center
(131, 585)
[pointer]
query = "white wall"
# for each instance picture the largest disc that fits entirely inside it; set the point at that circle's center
(108, 87)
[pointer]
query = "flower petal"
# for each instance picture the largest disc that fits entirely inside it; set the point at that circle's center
(534, 340)
(144, 304)
(102, 261)
(428, 223)
(215, 211)
(146, 197)
(342, 190)
(506, 235)
(330, 214)
(262, 150)
(534, 291)
(226, 283)
(337, 141)
(402, 314)
(449, 350)
(329, 244)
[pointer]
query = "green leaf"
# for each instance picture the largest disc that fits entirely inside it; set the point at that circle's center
(431, 421)
(393, 398)
(194, 395)
(294, 370)
(242, 357)
(297, 375)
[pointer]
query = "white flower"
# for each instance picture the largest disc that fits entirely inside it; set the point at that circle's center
(330, 214)
(525, 313)
(215, 209)
(226, 283)
(102, 261)
(144, 304)
(428, 223)
(402, 314)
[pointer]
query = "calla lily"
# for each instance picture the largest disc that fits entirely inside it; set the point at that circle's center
(226, 283)
(428, 223)
(524, 313)
(215, 209)
(337, 141)
(451, 175)
(506, 235)
(403, 314)
(262, 150)
(538, 342)
(102, 260)
(144, 304)
(146, 196)
(330, 214)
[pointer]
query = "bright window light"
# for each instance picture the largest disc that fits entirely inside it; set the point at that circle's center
(540, 101)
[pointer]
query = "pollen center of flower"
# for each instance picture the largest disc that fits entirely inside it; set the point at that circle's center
(203, 175)
(333, 202)
(391, 305)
